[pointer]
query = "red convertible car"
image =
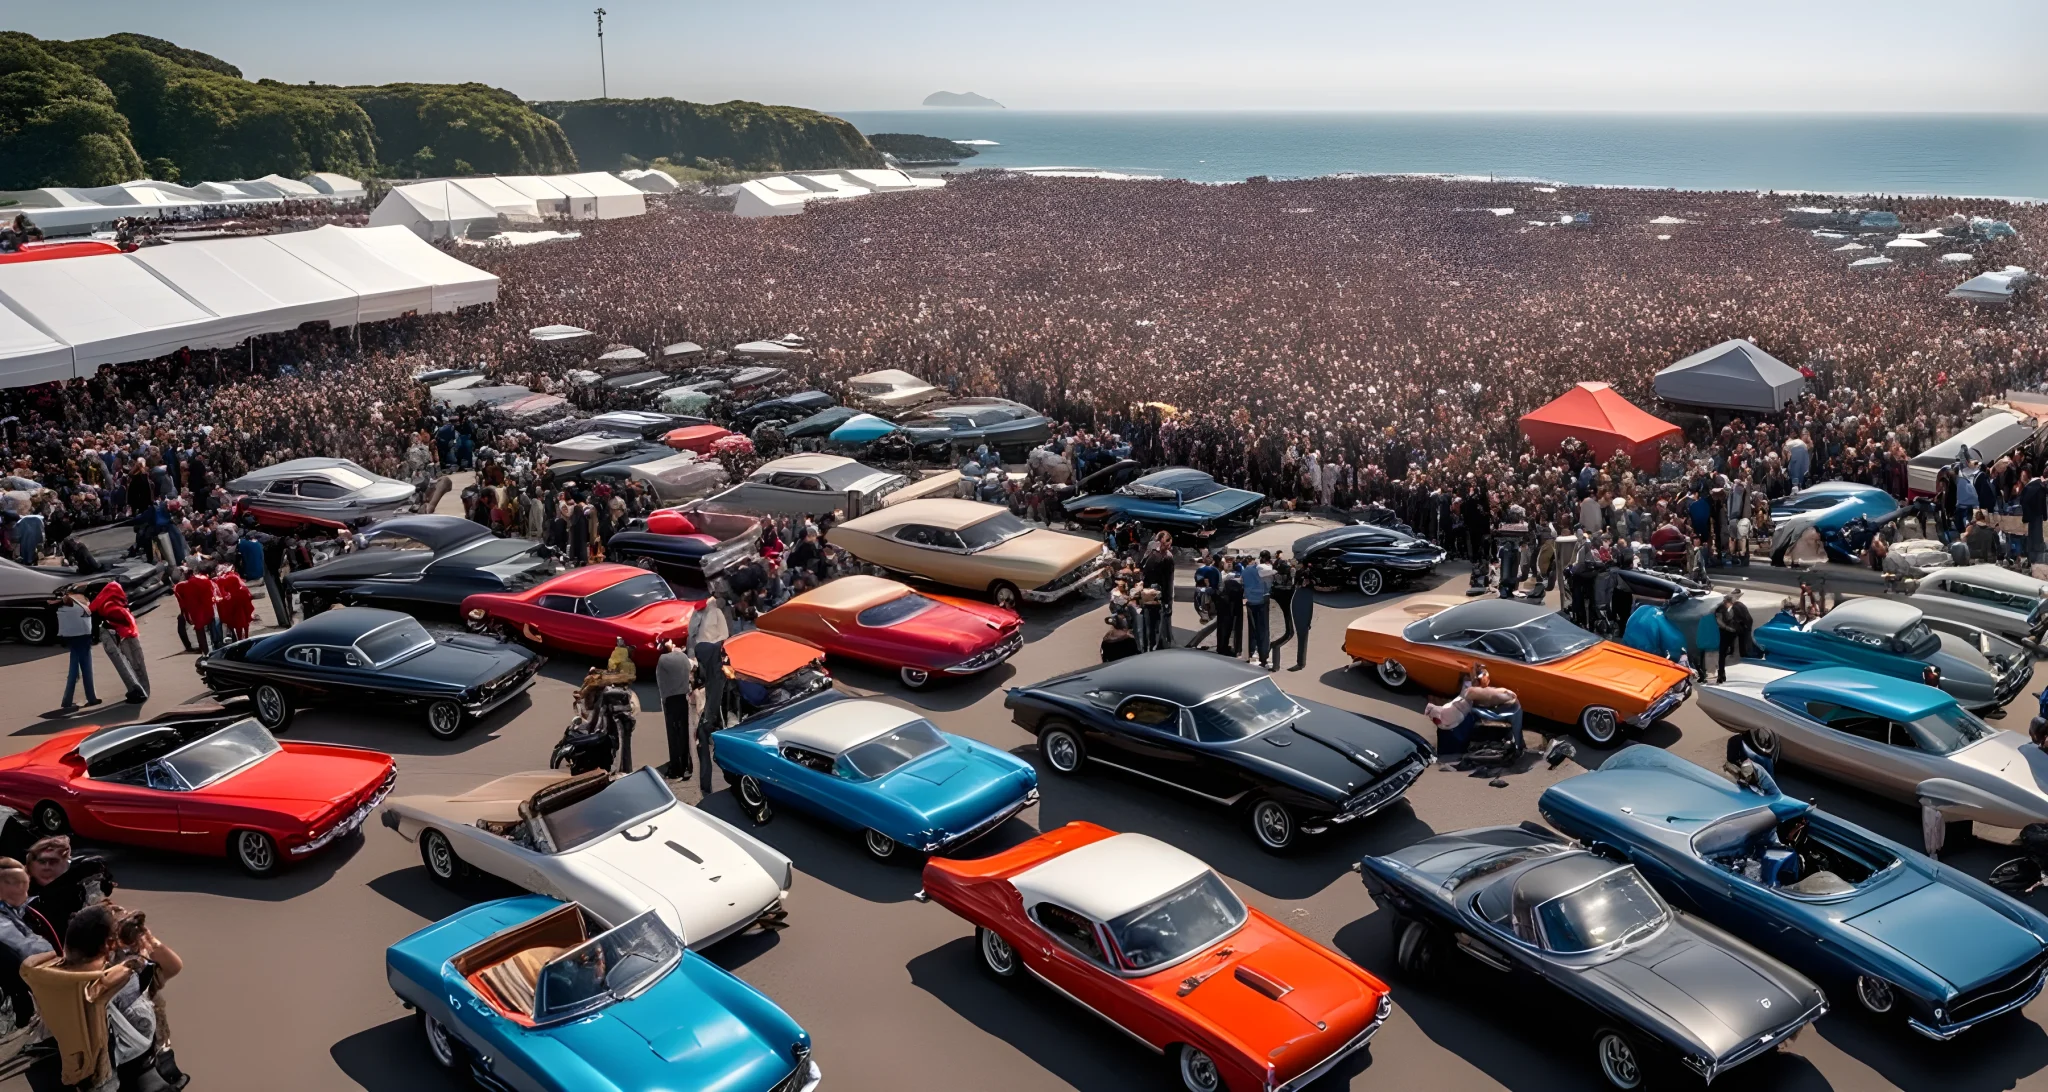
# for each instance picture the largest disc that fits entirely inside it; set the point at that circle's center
(206, 780)
(586, 611)
(697, 438)
(1148, 938)
(887, 624)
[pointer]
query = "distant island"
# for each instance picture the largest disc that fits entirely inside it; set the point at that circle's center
(911, 148)
(961, 98)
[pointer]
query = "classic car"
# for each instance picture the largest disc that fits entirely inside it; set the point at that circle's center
(646, 424)
(692, 399)
(1559, 671)
(587, 611)
(878, 769)
(109, 552)
(620, 846)
(975, 546)
(1150, 939)
(1663, 988)
(1891, 637)
(820, 425)
(1365, 556)
(1900, 739)
(789, 407)
(834, 474)
(769, 672)
(204, 780)
(29, 599)
(540, 995)
(596, 446)
(1222, 732)
(617, 468)
(862, 429)
(639, 382)
(1912, 940)
(365, 657)
(532, 411)
(696, 438)
(886, 624)
(334, 490)
(1827, 509)
(1183, 501)
(692, 543)
(1670, 616)
(678, 476)
(421, 564)
(891, 388)
(1012, 429)
(2012, 605)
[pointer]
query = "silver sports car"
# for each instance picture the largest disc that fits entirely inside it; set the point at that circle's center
(332, 489)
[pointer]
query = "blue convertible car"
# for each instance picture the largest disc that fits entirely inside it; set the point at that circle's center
(1907, 936)
(1830, 508)
(538, 995)
(1177, 499)
(876, 768)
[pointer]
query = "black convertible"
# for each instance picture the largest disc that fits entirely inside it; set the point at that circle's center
(1364, 555)
(1663, 990)
(1224, 732)
(362, 656)
(422, 564)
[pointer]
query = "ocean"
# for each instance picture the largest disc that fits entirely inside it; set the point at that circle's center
(1963, 155)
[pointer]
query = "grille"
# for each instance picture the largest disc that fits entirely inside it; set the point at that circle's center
(795, 1081)
(1074, 577)
(992, 656)
(1388, 788)
(2000, 992)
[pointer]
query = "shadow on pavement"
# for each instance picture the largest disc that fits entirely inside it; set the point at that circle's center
(942, 695)
(151, 870)
(416, 890)
(826, 853)
(1915, 1064)
(394, 1055)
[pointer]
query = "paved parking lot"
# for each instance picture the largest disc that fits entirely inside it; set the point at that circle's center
(285, 982)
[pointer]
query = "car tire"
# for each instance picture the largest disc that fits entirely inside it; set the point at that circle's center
(1273, 825)
(1763, 741)
(1060, 743)
(438, 854)
(748, 790)
(1392, 674)
(1619, 1059)
(1198, 1072)
(879, 846)
(1877, 996)
(914, 678)
(442, 1045)
(310, 604)
(1417, 948)
(446, 720)
(1371, 582)
(1599, 725)
(997, 956)
(32, 629)
(256, 852)
(273, 707)
(1006, 595)
(477, 621)
(50, 819)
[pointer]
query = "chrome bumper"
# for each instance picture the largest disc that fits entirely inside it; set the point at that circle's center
(1672, 699)
(982, 661)
(1065, 585)
(491, 704)
(986, 825)
(1358, 1042)
(1945, 1032)
(347, 826)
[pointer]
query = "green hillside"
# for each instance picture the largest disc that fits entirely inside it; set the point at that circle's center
(58, 124)
(428, 129)
(747, 136)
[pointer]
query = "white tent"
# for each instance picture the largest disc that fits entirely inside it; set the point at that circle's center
(1958, 256)
(1996, 433)
(456, 284)
(435, 210)
(1850, 247)
(611, 198)
(1732, 375)
(109, 308)
(578, 203)
(1991, 287)
(1905, 244)
(251, 283)
(340, 187)
(773, 196)
(276, 185)
(382, 292)
(650, 181)
(28, 355)
(1869, 263)
(787, 194)
(508, 202)
(546, 196)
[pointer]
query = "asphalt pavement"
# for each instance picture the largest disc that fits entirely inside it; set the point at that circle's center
(285, 987)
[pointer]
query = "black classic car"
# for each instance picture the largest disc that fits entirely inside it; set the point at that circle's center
(109, 552)
(788, 408)
(422, 565)
(1366, 556)
(1662, 989)
(1012, 429)
(1223, 732)
(360, 656)
(28, 602)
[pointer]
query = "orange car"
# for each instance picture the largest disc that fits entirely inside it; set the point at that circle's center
(1560, 672)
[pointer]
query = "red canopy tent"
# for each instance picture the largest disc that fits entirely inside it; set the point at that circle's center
(1600, 418)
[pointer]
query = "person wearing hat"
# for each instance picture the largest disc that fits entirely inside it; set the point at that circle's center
(1736, 626)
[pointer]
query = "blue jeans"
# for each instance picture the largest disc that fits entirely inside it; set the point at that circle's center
(217, 632)
(1461, 736)
(1260, 624)
(81, 666)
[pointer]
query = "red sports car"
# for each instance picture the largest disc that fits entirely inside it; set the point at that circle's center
(889, 625)
(586, 611)
(697, 438)
(1148, 938)
(207, 780)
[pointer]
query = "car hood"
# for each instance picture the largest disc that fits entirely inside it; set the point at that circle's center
(368, 563)
(1320, 1006)
(1338, 749)
(463, 661)
(1223, 502)
(957, 788)
(685, 1021)
(1959, 658)
(1955, 937)
(667, 616)
(957, 631)
(2008, 757)
(1618, 668)
(300, 784)
(690, 873)
(1357, 536)
(1056, 553)
(1721, 997)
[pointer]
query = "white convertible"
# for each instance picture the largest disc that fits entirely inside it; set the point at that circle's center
(620, 847)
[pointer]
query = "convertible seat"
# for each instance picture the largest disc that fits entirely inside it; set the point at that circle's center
(1821, 883)
(505, 969)
(510, 986)
(564, 792)
(497, 801)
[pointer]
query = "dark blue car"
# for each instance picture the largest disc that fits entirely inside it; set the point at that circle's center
(1187, 502)
(1911, 939)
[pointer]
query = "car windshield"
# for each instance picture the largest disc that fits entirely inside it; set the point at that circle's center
(1179, 925)
(1244, 712)
(896, 610)
(624, 802)
(628, 596)
(394, 642)
(346, 477)
(387, 540)
(1948, 730)
(232, 749)
(1553, 637)
(611, 966)
(1606, 911)
(884, 753)
(1811, 503)
(999, 528)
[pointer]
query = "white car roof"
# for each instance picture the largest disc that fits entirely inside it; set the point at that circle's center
(1872, 615)
(843, 725)
(1109, 878)
(1991, 576)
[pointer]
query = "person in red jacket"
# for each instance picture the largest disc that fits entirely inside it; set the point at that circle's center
(236, 606)
(195, 605)
(122, 639)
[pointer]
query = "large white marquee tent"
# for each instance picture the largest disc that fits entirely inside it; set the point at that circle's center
(61, 210)
(473, 206)
(788, 194)
(62, 319)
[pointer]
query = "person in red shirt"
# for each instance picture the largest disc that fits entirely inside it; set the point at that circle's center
(122, 639)
(195, 607)
(237, 608)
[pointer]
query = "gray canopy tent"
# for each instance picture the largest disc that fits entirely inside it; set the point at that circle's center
(1734, 375)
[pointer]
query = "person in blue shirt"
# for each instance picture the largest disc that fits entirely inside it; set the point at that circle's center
(1701, 513)
(1258, 582)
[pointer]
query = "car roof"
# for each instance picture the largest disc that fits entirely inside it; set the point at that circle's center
(942, 512)
(1316, 540)
(808, 463)
(1184, 676)
(590, 579)
(1994, 576)
(1486, 614)
(1175, 477)
(1899, 699)
(855, 591)
(1847, 489)
(436, 532)
(119, 737)
(1550, 877)
(1110, 878)
(836, 728)
(343, 626)
(1871, 614)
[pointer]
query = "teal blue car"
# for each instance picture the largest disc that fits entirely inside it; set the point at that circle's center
(1982, 671)
(1187, 502)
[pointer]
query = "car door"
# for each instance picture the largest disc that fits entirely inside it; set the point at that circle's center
(805, 780)
(1436, 668)
(499, 1045)
(1069, 951)
(138, 807)
(503, 858)
(1142, 734)
(562, 623)
(1857, 747)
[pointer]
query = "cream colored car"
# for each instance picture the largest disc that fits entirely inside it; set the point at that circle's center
(979, 547)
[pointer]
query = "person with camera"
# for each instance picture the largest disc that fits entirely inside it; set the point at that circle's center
(20, 940)
(137, 1027)
(72, 995)
(61, 885)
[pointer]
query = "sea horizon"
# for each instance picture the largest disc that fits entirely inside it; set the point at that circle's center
(1990, 156)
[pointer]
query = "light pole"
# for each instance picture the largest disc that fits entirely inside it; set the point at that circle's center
(604, 82)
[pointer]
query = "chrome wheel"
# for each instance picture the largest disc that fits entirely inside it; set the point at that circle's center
(1273, 825)
(255, 852)
(914, 677)
(50, 818)
(1618, 1060)
(749, 791)
(272, 708)
(444, 719)
(1599, 724)
(1415, 952)
(476, 621)
(1006, 595)
(439, 856)
(1370, 582)
(1062, 749)
(1392, 674)
(1875, 993)
(996, 953)
(32, 630)
(1198, 1071)
(1764, 742)
(880, 846)
(439, 1043)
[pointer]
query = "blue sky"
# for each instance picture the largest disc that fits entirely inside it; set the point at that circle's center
(1646, 55)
